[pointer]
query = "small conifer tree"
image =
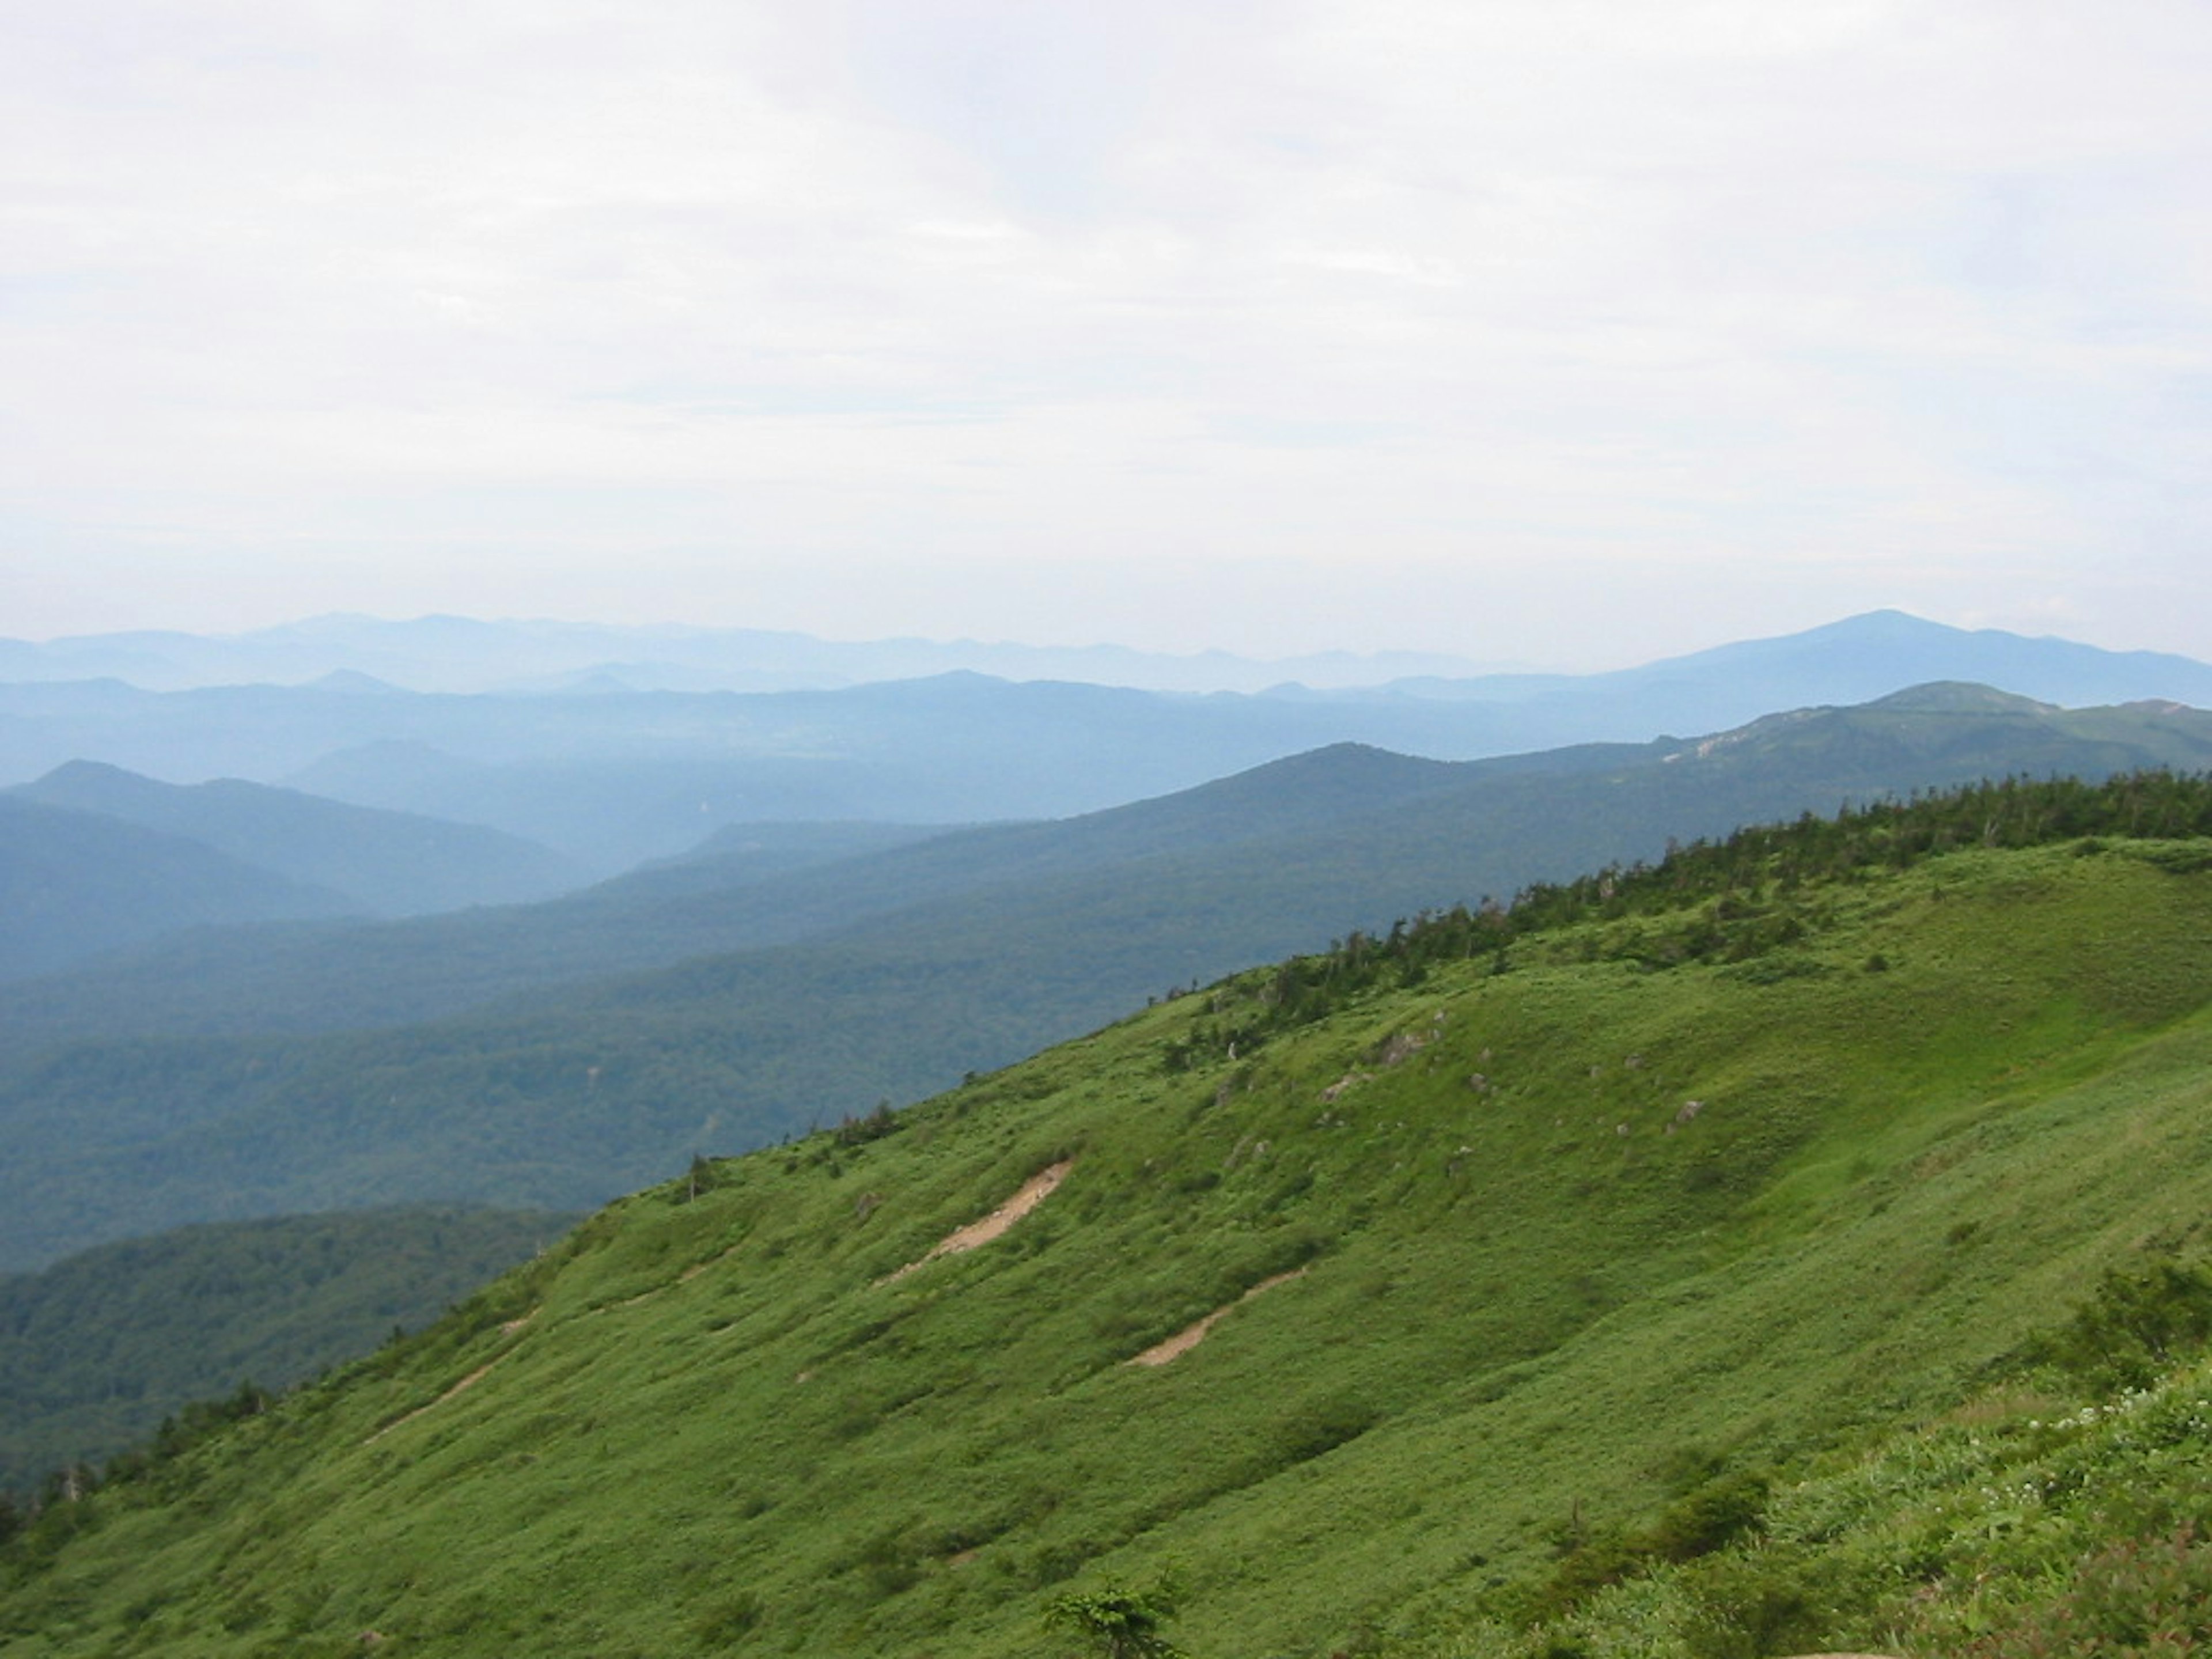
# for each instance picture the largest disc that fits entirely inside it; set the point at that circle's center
(1116, 1622)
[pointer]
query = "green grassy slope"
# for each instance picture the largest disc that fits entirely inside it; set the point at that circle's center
(96, 1349)
(1565, 1231)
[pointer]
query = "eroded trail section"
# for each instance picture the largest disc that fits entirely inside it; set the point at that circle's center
(1034, 1192)
(459, 1387)
(1191, 1335)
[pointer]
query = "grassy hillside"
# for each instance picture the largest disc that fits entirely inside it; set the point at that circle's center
(1566, 1262)
(97, 1350)
(966, 953)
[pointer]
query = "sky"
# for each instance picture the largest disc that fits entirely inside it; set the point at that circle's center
(1568, 333)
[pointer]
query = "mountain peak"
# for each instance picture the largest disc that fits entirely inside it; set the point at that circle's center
(87, 771)
(352, 682)
(1960, 697)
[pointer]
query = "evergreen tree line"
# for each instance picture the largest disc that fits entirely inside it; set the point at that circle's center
(55, 1500)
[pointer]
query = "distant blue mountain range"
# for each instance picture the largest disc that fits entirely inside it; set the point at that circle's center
(609, 777)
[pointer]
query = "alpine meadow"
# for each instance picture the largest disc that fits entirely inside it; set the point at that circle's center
(1793, 1243)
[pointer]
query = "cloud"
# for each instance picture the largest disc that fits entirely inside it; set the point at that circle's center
(1856, 290)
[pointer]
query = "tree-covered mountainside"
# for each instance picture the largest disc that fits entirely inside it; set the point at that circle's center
(387, 864)
(75, 885)
(857, 880)
(910, 967)
(97, 1350)
(1794, 1246)
(1278, 858)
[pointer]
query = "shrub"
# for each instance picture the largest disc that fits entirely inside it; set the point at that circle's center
(1116, 1622)
(1714, 1514)
(2133, 1600)
(2138, 1322)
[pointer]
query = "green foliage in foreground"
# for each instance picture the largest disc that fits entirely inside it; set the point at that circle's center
(1116, 1622)
(1713, 1301)
(97, 1350)
(2039, 1517)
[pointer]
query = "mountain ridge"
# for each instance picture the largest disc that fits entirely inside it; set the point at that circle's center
(451, 654)
(617, 778)
(384, 863)
(1335, 804)
(77, 885)
(551, 1095)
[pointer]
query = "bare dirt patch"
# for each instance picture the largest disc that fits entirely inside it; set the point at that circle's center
(1034, 1192)
(1191, 1335)
(462, 1387)
(715, 1260)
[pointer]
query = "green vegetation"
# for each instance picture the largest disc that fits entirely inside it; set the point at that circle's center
(98, 1350)
(1722, 1258)
(1114, 1622)
(886, 976)
(2035, 1518)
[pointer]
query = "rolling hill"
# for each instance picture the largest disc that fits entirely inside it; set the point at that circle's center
(611, 777)
(1724, 1257)
(1277, 859)
(927, 962)
(76, 885)
(380, 864)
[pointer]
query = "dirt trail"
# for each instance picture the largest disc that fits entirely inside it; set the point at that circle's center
(1191, 1335)
(1034, 1192)
(459, 1387)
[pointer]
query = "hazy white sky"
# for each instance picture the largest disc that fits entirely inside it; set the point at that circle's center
(1574, 332)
